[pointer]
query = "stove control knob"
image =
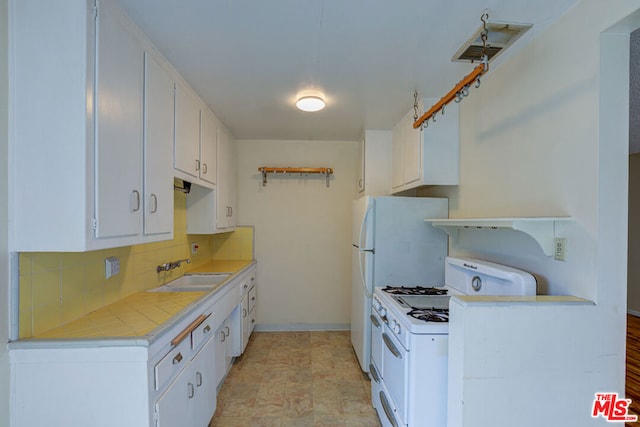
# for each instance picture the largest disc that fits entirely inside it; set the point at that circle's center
(382, 311)
(395, 326)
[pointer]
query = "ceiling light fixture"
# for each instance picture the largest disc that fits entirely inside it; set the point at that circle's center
(310, 103)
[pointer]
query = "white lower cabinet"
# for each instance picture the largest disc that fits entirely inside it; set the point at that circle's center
(191, 399)
(170, 379)
(248, 312)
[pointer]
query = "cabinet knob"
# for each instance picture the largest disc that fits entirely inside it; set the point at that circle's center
(177, 359)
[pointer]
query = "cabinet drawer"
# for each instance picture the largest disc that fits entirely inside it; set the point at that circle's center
(202, 333)
(252, 298)
(248, 283)
(252, 316)
(173, 362)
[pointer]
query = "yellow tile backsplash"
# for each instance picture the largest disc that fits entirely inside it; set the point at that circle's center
(56, 288)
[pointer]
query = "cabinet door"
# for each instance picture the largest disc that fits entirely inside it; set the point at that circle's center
(411, 151)
(246, 321)
(119, 70)
(220, 353)
(204, 372)
(187, 136)
(396, 155)
(226, 183)
(361, 165)
(172, 408)
(208, 165)
(158, 176)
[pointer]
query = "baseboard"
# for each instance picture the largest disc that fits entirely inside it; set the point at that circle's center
(291, 327)
(634, 312)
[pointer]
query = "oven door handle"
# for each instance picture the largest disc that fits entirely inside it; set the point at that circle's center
(374, 373)
(387, 409)
(391, 346)
(374, 320)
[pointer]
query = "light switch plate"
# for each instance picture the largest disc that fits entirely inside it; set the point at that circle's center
(560, 248)
(112, 266)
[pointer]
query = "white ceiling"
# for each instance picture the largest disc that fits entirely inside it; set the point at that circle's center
(248, 59)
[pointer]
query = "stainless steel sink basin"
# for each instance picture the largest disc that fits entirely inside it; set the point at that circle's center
(194, 283)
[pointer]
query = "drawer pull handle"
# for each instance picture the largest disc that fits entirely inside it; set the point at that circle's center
(224, 337)
(207, 329)
(186, 331)
(198, 379)
(192, 391)
(177, 359)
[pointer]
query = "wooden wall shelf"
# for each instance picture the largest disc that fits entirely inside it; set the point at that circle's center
(288, 170)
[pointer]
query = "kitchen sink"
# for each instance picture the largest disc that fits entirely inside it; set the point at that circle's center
(194, 283)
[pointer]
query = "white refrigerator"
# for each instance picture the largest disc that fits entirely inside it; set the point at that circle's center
(392, 245)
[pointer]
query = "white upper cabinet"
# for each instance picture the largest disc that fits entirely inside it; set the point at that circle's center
(195, 139)
(208, 130)
(426, 157)
(119, 97)
(374, 178)
(76, 139)
(226, 191)
(187, 139)
(158, 145)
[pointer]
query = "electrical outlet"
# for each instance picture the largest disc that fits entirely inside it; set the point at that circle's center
(560, 248)
(112, 266)
(194, 248)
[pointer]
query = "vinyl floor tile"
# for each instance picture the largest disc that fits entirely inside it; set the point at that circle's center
(296, 379)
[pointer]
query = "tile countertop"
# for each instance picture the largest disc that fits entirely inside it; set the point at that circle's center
(138, 316)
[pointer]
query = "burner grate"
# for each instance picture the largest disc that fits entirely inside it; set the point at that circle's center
(431, 314)
(414, 290)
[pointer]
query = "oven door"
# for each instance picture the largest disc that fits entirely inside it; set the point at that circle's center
(376, 342)
(395, 371)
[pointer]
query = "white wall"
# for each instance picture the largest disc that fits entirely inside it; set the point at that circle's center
(633, 268)
(302, 231)
(4, 256)
(547, 135)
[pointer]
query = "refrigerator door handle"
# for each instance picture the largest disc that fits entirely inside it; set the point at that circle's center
(368, 293)
(363, 224)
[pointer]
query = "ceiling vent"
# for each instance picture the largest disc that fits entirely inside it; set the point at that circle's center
(500, 35)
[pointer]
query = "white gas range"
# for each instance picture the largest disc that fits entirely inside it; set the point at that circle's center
(409, 349)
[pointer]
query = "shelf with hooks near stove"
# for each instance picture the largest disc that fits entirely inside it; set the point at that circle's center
(542, 229)
(288, 170)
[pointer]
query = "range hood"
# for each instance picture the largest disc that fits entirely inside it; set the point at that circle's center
(500, 35)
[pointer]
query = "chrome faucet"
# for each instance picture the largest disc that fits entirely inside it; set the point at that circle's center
(171, 265)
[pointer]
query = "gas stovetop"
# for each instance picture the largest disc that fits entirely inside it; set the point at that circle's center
(414, 290)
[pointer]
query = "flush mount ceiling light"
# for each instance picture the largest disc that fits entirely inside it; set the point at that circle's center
(310, 103)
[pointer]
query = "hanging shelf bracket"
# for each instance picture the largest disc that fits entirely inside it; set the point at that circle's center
(266, 170)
